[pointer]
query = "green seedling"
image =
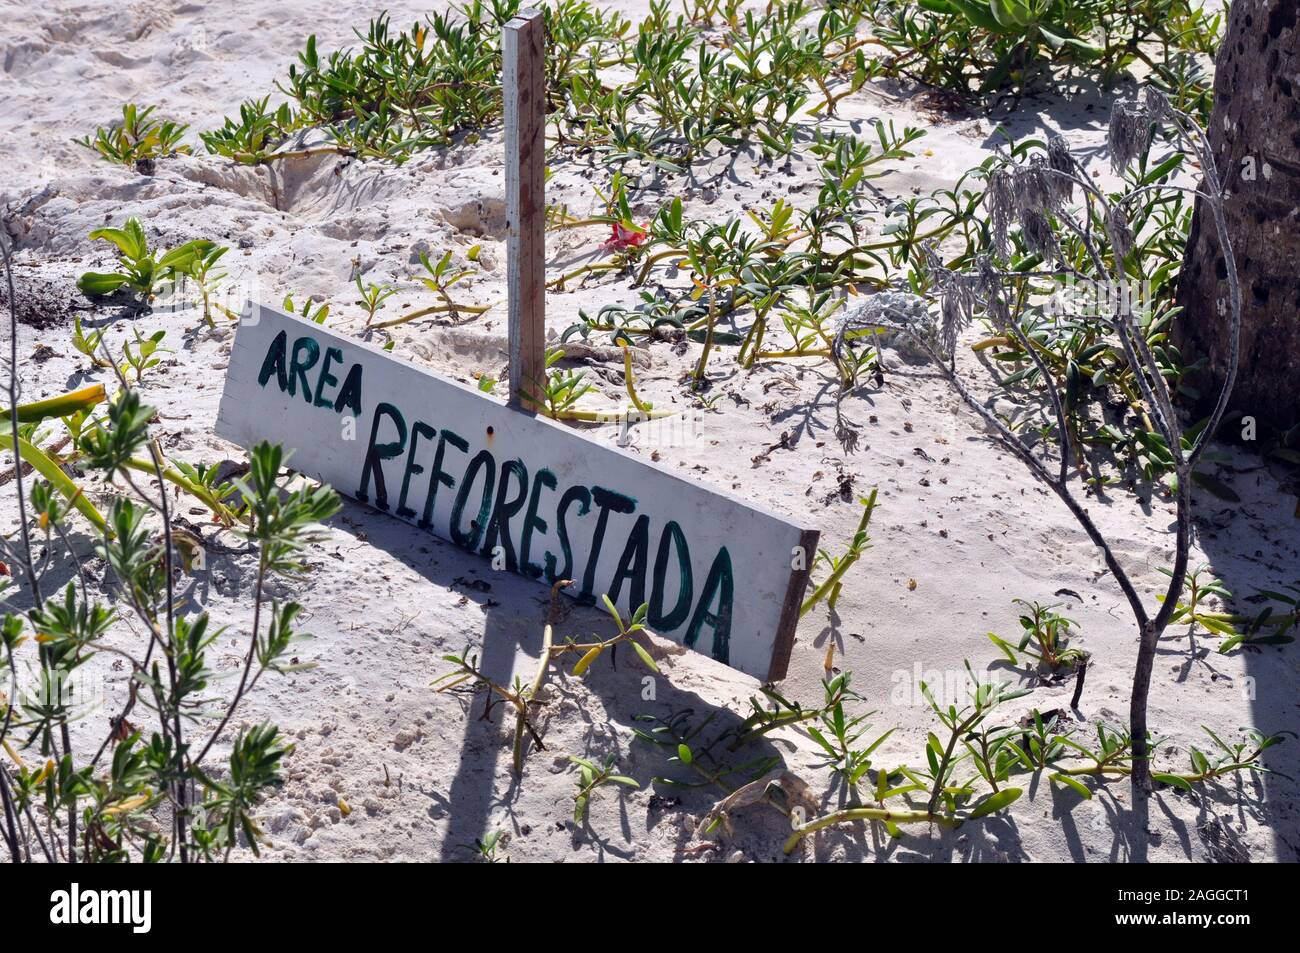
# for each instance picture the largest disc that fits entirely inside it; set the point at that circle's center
(141, 270)
(1114, 756)
(318, 315)
(88, 344)
(1238, 756)
(254, 137)
(590, 777)
(809, 327)
(773, 710)
(1281, 622)
(373, 297)
(200, 480)
(1045, 638)
(840, 735)
(561, 390)
(207, 277)
(466, 671)
(994, 753)
(942, 756)
(138, 140)
(1200, 586)
(945, 794)
(491, 848)
(1040, 741)
(145, 354)
(627, 631)
(1269, 626)
(439, 279)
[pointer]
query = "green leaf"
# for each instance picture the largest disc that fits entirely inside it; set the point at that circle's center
(96, 284)
(1229, 644)
(61, 406)
(719, 337)
(645, 656)
(1173, 780)
(609, 607)
(1159, 172)
(47, 468)
(1010, 13)
(820, 738)
(1075, 783)
(1216, 625)
(978, 13)
(995, 802)
(182, 257)
(1006, 649)
(129, 240)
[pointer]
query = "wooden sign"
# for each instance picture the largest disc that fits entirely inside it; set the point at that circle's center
(535, 497)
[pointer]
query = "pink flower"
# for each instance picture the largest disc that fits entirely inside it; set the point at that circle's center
(625, 237)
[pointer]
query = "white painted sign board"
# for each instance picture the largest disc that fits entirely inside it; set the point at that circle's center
(718, 574)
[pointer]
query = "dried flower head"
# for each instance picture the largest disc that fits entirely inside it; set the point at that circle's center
(958, 298)
(1159, 108)
(1039, 236)
(1001, 206)
(1061, 163)
(1027, 194)
(1121, 234)
(1036, 188)
(989, 285)
(1130, 133)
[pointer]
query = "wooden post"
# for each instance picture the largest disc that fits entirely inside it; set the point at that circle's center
(524, 92)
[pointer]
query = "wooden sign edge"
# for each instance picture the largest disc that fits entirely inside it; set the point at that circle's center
(783, 646)
(788, 621)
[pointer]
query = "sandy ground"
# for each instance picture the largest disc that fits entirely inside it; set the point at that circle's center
(961, 528)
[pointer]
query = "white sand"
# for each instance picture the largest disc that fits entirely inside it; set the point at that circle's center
(957, 515)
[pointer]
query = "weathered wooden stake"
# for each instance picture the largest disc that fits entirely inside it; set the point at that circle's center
(524, 91)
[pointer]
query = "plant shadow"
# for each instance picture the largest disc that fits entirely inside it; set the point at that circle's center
(1251, 545)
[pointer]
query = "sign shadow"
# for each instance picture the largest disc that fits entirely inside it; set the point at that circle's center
(592, 718)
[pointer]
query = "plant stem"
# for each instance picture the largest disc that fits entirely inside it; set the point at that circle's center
(543, 662)
(846, 561)
(708, 339)
(864, 814)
